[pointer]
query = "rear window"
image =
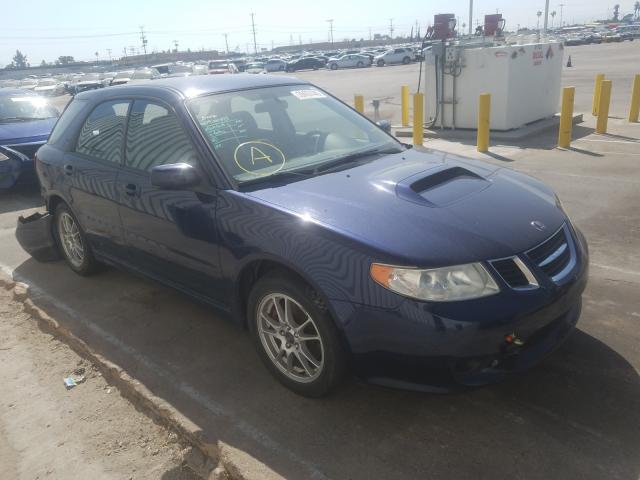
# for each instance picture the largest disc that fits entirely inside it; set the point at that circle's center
(69, 114)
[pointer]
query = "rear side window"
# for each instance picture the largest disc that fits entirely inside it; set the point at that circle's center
(102, 134)
(155, 137)
(69, 114)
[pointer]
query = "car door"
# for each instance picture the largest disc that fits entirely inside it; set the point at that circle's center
(90, 170)
(171, 233)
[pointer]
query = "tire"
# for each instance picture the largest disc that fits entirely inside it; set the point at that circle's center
(406, 60)
(82, 263)
(318, 365)
(360, 65)
(334, 66)
(281, 68)
(380, 63)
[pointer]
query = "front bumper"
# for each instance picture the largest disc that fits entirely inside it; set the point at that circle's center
(446, 346)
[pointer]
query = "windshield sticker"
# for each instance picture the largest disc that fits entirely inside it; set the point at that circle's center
(222, 130)
(259, 158)
(308, 94)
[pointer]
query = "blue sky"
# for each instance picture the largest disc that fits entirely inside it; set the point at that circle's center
(46, 29)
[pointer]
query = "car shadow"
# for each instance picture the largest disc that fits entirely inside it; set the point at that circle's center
(577, 415)
(20, 197)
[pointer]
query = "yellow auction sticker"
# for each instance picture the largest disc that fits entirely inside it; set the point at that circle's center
(259, 158)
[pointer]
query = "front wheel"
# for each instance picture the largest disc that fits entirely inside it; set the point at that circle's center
(406, 60)
(334, 66)
(381, 63)
(72, 242)
(360, 65)
(295, 336)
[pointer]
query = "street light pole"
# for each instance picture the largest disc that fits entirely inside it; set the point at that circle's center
(546, 15)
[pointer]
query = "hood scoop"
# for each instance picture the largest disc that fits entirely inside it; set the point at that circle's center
(441, 187)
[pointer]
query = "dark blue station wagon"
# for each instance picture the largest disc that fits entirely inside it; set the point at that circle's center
(338, 247)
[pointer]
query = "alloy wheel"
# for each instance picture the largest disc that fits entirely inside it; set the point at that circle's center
(71, 240)
(290, 338)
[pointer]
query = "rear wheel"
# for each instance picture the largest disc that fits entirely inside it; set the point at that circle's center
(295, 336)
(406, 60)
(334, 66)
(360, 65)
(381, 63)
(72, 242)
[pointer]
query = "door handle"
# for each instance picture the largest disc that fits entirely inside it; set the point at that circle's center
(68, 169)
(131, 189)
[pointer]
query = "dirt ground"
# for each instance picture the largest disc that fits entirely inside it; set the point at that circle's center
(88, 431)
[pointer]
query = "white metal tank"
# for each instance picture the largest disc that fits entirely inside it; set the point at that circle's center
(524, 82)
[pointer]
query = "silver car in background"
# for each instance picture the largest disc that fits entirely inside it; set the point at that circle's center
(353, 60)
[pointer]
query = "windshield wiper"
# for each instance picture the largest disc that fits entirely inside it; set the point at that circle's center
(278, 176)
(354, 157)
(21, 119)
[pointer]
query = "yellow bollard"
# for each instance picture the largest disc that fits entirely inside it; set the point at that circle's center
(603, 107)
(358, 101)
(404, 96)
(418, 118)
(635, 100)
(596, 94)
(566, 117)
(484, 121)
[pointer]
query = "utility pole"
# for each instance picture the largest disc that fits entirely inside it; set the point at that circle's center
(226, 42)
(546, 15)
(561, 6)
(331, 31)
(143, 38)
(370, 37)
(253, 29)
(109, 53)
(391, 28)
(470, 17)
(124, 50)
(175, 42)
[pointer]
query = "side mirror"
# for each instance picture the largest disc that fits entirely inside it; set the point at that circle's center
(384, 125)
(174, 176)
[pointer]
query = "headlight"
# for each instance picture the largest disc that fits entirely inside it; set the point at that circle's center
(447, 284)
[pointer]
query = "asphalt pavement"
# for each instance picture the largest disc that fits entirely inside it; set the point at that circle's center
(575, 416)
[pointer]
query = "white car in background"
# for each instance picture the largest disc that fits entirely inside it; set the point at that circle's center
(49, 86)
(122, 77)
(394, 56)
(255, 68)
(275, 65)
(28, 83)
(353, 60)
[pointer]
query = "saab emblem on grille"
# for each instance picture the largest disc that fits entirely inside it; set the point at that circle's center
(538, 225)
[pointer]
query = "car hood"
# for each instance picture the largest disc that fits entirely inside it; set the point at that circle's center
(426, 209)
(25, 132)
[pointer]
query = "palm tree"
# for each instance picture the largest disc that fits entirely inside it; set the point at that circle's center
(539, 14)
(636, 9)
(616, 12)
(553, 16)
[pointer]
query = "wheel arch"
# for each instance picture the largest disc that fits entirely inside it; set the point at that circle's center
(257, 268)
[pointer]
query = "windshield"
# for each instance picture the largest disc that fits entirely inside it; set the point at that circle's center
(21, 108)
(47, 82)
(255, 65)
(143, 74)
(297, 128)
(218, 65)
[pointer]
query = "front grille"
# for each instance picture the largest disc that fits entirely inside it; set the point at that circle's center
(553, 255)
(28, 149)
(510, 273)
